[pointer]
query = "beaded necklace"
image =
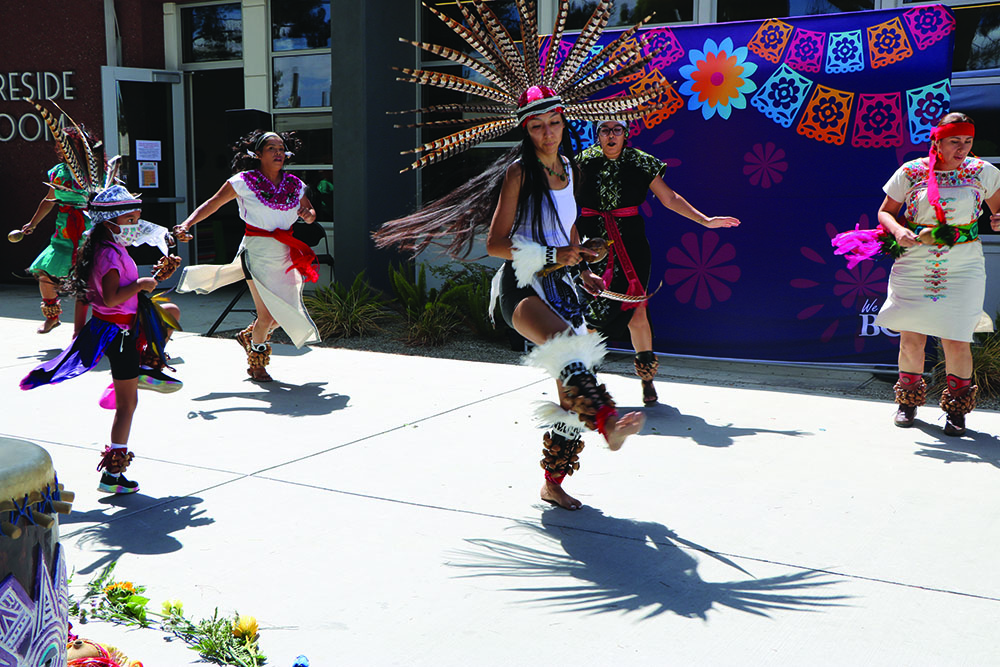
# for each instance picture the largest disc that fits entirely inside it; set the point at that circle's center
(281, 197)
(552, 172)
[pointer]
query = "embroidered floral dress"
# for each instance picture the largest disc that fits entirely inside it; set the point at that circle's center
(607, 185)
(268, 207)
(71, 223)
(937, 290)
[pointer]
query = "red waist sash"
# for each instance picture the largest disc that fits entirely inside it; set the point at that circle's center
(122, 319)
(617, 247)
(299, 253)
(76, 225)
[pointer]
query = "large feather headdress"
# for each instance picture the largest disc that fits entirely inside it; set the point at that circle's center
(89, 170)
(510, 73)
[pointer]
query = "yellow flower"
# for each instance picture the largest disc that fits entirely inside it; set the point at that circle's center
(173, 607)
(120, 586)
(245, 626)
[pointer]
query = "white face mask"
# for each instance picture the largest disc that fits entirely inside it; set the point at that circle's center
(127, 235)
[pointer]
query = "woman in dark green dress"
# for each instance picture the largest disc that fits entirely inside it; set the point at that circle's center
(615, 181)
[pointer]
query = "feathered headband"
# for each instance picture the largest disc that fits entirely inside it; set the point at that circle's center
(89, 171)
(511, 72)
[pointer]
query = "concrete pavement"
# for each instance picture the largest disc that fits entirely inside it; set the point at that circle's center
(374, 509)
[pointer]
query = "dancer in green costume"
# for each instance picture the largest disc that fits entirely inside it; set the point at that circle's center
(54, 263)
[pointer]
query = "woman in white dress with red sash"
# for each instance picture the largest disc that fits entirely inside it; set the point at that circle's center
(937, 287)
(274, 263)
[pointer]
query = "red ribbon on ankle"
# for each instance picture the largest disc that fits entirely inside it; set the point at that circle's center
(604, 413)
(555, 479)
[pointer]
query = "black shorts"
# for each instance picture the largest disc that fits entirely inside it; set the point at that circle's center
(511, 294)
(123, 355)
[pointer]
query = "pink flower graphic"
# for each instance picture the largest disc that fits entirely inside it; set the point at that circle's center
(765, 164)
(865, 280)
(703, 271)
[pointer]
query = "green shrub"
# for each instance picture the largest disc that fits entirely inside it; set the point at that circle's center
(475, 303)
(341, 312)
(435, 326)
(432, 315)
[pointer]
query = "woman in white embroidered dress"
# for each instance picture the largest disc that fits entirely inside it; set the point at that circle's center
(533, 228)
(274, 263)
(937, 287)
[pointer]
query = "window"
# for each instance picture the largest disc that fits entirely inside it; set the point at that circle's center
(301, 81)
(300, 43)
(629, 12)
(300, 24)
(741, 10)
(977, 37)
(212, 33)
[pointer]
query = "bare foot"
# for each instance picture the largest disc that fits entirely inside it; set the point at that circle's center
(618, 430)
(553, 493)
(48, 325)
(258, 374)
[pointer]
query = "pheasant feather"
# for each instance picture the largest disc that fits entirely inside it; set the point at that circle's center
(606, 52)
(452, 82)
(473, 39)
(554, 42)
(588, 37)
(498, 33)
(460, 58)
(93, 169)
(529, 40)
(63, 145)
(509, 71)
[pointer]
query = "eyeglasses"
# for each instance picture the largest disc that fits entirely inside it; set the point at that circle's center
(617, 130)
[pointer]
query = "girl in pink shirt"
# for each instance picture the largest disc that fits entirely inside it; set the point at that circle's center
(107, 277)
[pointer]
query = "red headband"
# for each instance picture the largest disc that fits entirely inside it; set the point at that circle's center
(953, 130)
(940, 132)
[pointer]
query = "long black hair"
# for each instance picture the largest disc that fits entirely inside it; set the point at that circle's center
(535, 183)
(249, 143)
(453, 221)
(77, 283)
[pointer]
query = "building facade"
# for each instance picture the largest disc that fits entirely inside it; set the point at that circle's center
(171, 85)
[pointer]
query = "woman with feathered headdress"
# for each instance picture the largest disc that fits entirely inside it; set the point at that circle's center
(69, 197)
(619, 178)
(526, 201)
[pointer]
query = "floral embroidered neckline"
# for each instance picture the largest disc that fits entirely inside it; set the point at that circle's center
(281, 197)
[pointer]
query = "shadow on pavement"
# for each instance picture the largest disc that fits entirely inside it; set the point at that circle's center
(973, 447)
(143, 526)
(667, 420)
(278, 398)
(623, 565)
(43, 355)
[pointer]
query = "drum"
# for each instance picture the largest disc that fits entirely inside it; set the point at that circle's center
(34, 604)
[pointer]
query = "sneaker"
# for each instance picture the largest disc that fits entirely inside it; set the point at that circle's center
(150, 378)
(117, 484)
(107, 400)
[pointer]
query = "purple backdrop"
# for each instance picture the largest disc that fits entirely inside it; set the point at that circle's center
(793, 126)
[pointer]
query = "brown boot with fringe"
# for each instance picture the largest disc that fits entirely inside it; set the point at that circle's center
(646, 366)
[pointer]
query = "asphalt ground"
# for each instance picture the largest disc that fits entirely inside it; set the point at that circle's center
(380, 509)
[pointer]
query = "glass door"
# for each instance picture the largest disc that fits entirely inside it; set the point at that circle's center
(144, 124)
